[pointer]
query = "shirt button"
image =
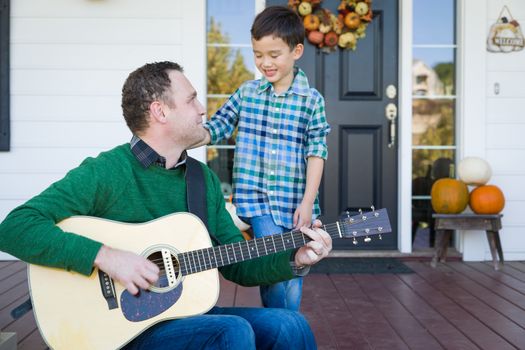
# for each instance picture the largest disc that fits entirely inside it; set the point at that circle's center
(270, 193)
(277, 109)
(274, 131)
(273, 151)
(271, 172)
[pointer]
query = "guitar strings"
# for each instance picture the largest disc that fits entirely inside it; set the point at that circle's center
(245, 249)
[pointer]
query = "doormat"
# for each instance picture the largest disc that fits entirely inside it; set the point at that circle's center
(361, 266)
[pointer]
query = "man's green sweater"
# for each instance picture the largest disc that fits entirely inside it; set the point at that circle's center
(116, 186)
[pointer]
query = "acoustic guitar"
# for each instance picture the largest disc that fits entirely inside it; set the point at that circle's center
(78, 312)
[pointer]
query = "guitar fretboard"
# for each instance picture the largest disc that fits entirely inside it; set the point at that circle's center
(214, 257)
(210, 258)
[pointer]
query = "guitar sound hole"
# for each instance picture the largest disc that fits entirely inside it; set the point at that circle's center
(169, 270)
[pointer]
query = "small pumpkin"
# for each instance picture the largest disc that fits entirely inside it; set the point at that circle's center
(487, 199)
(347, 40)
(304, 8)
(449, 196)
(330, 39)
(311, 22)
(315, 37)
(352, 20)
(474, 171)
(361, 8)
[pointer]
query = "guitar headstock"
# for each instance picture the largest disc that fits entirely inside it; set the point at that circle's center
(365, 224)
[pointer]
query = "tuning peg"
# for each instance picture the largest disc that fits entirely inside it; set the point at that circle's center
(354, 241)
(347, 213)
(373, 208)
(367, 239)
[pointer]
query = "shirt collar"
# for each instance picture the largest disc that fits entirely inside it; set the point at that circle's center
(148, 156)
(299, 85)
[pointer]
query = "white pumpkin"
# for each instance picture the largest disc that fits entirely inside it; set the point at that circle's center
(241, 225)
(474, 171)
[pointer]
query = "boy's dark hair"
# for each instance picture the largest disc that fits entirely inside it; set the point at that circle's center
(281, 22)
(143, 86)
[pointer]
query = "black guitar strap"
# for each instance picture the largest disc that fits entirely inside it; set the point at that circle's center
(196, 193)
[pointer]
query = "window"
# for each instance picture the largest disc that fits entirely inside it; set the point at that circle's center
(230, 63)
(433, 107)
(4, 75)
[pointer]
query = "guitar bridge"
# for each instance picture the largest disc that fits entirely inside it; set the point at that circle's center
(171, 274)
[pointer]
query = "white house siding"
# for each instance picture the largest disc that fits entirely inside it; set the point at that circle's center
(69, 60)
(493, 125)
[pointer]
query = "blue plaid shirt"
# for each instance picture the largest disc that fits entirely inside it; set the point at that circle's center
(276, 134)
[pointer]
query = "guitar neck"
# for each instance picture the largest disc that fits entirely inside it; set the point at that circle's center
(363, 225)
(210, 258)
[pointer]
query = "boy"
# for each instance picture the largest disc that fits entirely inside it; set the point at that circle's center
(281, 140)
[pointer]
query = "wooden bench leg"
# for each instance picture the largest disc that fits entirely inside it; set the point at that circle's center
(440, 253)
(495, 247)
(498, 247)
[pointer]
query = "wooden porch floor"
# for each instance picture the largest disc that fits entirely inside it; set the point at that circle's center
(455, 306)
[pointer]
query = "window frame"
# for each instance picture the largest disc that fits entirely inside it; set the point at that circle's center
(4, 76)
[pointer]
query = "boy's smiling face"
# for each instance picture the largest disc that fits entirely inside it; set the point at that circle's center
(275, 60)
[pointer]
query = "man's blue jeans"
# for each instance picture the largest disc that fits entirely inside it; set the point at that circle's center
(287, 294)
(230, 328)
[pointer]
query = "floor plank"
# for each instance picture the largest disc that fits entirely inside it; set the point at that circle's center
(371, 322)
(435, 323)
(484, 337)
(400, 319)
(328, 314)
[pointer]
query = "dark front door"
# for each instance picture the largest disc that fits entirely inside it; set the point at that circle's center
(362, 163)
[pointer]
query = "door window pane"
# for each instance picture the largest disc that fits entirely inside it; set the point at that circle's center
(433, 70)
(434, 22)
(433, 122)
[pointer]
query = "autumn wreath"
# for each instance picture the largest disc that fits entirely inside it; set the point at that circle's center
(328, 31)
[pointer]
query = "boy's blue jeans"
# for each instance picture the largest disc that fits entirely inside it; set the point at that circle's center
(287, 294)
(230, 328)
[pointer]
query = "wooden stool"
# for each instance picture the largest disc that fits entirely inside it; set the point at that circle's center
(446, 223)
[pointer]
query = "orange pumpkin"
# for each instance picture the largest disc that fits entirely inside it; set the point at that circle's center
(311, 22)
(449, 196)
(352, 20)
(487, 199)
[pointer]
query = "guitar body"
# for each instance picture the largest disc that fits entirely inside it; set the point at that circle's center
(71, 311)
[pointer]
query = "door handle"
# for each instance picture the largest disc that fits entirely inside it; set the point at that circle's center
(391, 115)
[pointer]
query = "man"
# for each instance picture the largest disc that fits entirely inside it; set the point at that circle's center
(145, 180)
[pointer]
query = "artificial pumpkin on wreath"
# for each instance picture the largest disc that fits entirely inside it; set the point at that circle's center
(487, 199)
(449, 196)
